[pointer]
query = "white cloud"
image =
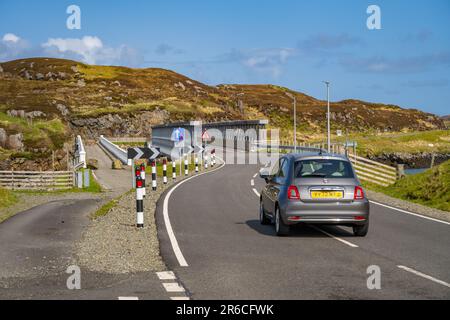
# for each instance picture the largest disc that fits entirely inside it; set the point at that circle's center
(91, 50)
(11, 37)
(269, 60)
(12, 47)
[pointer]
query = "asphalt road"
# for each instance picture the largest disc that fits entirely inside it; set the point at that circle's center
(37, 247)
(229, 255)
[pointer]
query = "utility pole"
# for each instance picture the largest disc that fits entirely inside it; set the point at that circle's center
(290, 95)
(328, 116)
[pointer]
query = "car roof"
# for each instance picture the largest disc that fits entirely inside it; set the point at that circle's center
(316, 155)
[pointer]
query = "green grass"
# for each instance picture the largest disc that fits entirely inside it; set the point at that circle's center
(106, 208)
(412, 142)
(430, 188)
(7, 198)
(50, 134)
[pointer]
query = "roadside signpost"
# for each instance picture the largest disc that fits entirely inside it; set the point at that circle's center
(137, 153)
(177, 137)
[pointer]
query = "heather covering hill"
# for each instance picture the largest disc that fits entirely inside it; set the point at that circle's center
(53, 99)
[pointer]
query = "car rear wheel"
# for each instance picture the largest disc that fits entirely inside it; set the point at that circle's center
(361, 230)
(262, 216)
(280, 228)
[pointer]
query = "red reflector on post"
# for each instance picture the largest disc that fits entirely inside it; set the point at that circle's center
(139, 183)
(293, 193)
(359, 193)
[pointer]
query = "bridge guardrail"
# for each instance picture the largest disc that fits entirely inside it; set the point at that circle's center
(80, 153)
(116, 151)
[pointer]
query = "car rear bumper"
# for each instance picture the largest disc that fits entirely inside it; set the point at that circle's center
(355, 212)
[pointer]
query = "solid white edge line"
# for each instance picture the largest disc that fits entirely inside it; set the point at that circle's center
(252, 183)
(180, 298)
(256, 192)
(334, 237)
(408, 212)
(173, 240)
(127, 298)
(423, 275)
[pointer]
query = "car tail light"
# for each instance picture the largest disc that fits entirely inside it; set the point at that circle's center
(359, 193)
(293, 193)
(359, 218)
(294, 218)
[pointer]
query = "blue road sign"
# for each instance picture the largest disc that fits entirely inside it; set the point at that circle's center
(177, 135)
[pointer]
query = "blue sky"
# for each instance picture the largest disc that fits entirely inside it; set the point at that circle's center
(296, 44)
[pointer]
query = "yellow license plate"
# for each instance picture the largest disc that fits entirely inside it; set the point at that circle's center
(327, 194)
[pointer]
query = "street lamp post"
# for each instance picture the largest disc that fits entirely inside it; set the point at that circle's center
(295, 119)
(328, 116)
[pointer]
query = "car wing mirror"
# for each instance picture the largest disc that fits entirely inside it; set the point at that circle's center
(264, 173)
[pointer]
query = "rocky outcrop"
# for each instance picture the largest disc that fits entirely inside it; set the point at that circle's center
(23, 114)
(15, 142)
(411, 161)
(3, 138)
(119, 125)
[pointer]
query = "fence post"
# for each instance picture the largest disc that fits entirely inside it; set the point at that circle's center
(400, 171)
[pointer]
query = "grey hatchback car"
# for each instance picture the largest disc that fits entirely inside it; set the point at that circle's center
(313, 188)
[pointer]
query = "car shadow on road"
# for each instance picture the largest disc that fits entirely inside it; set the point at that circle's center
(301, 230)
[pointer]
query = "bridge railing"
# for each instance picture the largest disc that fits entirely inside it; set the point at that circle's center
(116, 151)
(80, 153)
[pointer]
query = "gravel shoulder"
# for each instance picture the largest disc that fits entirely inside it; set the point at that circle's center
(409, 206)
(112, 244)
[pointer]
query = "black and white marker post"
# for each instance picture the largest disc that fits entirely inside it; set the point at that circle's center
(186, 171)
(196, 163)
(206, 160)
(165, 171)
(213, 157)
(174, 170)
(139, 202)
(142, 168)
(154, 175)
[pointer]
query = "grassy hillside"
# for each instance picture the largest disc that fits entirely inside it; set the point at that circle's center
(430, 188)
(49, 100)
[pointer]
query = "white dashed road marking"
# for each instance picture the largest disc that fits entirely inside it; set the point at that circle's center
(166, 275)
(128, 298)
(255, 175)
(252, 182)
(256, 192)
(423, 275)
(173, 287)
(334, 237)
(180, 298)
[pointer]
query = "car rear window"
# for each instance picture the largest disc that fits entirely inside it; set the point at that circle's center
(323, 168)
